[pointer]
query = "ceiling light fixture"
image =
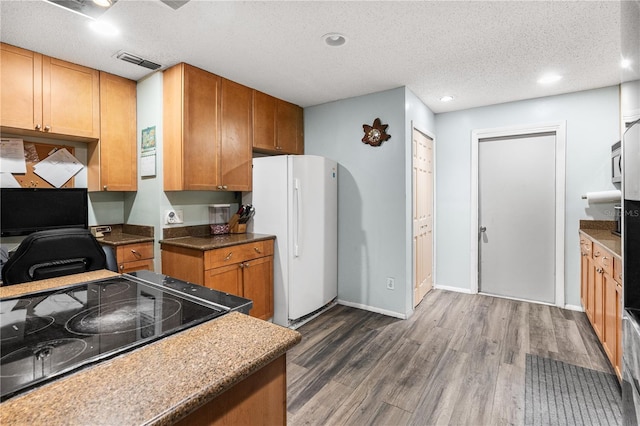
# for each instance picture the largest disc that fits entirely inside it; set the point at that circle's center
(103, 3)
(550, 78)
(446, 98)
(625, 63)
(334, 39)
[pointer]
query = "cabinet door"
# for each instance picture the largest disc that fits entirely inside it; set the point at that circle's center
(257, 284)
(584, 279)
(591, 289)
(71, 99)
(610, 321)
(226, 278)
(235, 137)
(289, 128)
(20, 88)
(200, 124)
(598, 310)
(264, 121)
(618, 362)
(118, 149)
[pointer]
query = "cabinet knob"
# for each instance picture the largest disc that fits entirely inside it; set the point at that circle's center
(246, 264)
(136, 254)
(47, 128)
(278, 148)
(241, 265)
(224, 186)
(104, 187)
(38, 127)
(596, 254)
(257, 250)
(121, 267)
(219, 187)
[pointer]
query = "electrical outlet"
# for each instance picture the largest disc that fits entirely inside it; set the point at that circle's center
(391, 283)
(172, 217)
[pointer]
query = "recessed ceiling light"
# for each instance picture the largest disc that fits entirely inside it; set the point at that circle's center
(334, 39)
(447, 98)
(625, 63)
(104, 28)
(103, 3)
(550, 78)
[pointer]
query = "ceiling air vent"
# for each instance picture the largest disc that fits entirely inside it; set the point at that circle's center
(128, 57)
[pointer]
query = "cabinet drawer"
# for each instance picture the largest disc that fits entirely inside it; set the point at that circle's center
(235, 254)
(617, 270)
(603, 257)
(134, 252)
(140, 265)
(585, 246)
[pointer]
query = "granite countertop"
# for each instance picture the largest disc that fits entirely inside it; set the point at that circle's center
(600, 232)
(127, 234)
(210, 242)
(158, 383)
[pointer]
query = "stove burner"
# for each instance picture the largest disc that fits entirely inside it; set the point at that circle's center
(31, 325)
(39, 359)
(123, 316)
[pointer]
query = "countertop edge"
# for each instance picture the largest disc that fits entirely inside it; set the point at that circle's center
(605, 238)
(213, 242)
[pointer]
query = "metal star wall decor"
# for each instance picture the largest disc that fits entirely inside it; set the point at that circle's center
(376, 134)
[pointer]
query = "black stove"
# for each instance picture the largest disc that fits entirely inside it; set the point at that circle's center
(48, 334)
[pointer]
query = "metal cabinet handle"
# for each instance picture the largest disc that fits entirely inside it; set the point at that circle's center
(224, 186)
(246, 264)
(257, 250)
(219, 187)
(38, 127)
(241, 265)
(104, 187)
(136, 254)
(47, 128)
(228, 256)
(596, 254)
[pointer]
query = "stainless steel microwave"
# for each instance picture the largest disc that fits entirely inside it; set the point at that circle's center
(616, 162)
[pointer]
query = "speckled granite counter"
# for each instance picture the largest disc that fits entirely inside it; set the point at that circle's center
(156, 384)
(210, 242)
(600, 231)
(127, 234)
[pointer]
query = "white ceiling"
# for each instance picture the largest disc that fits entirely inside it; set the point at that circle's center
(481, 52)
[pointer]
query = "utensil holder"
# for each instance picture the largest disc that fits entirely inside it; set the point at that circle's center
(238, 228)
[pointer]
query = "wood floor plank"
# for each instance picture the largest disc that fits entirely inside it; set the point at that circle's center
(459, 360)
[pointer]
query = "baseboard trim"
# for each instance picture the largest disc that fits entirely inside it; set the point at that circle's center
(372, 309)
(574, 308)
(450, 288)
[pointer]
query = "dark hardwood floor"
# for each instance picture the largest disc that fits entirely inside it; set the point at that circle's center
(459, 360)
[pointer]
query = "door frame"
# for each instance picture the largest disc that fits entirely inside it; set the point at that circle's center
(560, 130)
(418, 127)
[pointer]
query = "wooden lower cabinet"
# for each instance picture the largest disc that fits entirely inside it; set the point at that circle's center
(245, 270)
(134, 257)
(260, 399)
(601, 296)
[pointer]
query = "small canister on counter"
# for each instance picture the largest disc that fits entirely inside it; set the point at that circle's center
(219, 218)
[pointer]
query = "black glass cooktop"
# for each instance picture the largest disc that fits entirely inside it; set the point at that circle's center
(47, 334)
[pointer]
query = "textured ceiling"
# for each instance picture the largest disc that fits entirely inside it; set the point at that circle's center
(481, 52)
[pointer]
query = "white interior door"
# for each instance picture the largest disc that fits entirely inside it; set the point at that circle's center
(422, 215)
(517, 213)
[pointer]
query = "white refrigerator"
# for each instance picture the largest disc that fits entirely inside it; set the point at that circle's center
(296, 199)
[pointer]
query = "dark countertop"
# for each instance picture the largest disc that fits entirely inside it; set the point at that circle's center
(600, 232)
(156, 384)
(127, 234)
(211, 242)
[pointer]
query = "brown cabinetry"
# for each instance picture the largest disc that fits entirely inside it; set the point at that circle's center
(134, 257)
(244, 269)
(207, 131)
(600, 293)
(277, 125)
(113, 161)
(46, 95)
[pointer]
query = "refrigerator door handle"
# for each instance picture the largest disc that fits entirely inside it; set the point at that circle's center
(296, 229)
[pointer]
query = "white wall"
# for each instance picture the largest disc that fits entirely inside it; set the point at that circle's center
(373, 239)
(592, 119)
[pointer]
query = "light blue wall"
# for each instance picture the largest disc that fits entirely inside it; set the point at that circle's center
(592, 119)
(373, 212)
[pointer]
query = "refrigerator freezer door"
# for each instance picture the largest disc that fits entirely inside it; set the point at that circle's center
(631, 167)
(313, 278)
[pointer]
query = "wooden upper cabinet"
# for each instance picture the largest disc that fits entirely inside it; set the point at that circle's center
(118, 147)
(289, 124)
(277, 125)
(191, 128)
(20, 88)
(43, 94)
(235, 137)
(70, 99)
